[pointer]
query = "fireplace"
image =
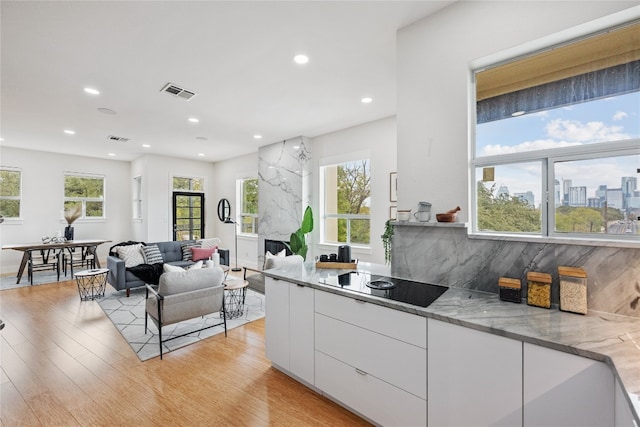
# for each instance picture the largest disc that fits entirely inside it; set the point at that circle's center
(275, 246)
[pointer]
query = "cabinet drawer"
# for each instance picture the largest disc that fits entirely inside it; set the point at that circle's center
(371, 397)
(386, 321)
(396, 362)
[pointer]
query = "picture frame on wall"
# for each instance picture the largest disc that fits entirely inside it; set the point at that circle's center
(393, 187)
(393, 213)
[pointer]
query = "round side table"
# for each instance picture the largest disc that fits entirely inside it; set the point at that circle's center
(235, 292)
(91, 283)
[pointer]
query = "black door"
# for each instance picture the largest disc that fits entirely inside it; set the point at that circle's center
(188, 215)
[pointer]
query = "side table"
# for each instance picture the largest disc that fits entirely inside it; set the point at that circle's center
(235, 292)
(91, 283)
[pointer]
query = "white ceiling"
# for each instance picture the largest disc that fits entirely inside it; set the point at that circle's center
(237, 57)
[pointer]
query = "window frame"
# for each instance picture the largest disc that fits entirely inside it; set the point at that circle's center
(550, 156)
(336, 161)
(84, 200)
(19, 197)
(240, 203)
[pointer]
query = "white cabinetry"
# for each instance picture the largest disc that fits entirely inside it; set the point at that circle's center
(361, 363)
(561, 389)
(475, 378)
(289, 328)
(623, 415)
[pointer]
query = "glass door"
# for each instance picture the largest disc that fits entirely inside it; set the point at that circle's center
(188, 215)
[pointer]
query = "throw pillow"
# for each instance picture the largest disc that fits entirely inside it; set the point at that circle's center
(152, 254)
(130, 254)
(277, 262)
(168, 268)
(196, 266)
(269, 256)
(209, 243)
(187, 255)
(203, 253)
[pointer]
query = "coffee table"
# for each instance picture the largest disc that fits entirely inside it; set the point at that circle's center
(235, 293)
(91, 283)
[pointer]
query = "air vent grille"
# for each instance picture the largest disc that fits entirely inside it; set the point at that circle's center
(117, 138)
(178, 91)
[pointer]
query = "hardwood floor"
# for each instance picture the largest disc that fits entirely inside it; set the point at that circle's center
(65, 364)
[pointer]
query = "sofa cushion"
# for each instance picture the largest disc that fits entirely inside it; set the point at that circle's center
(203, 253)
(152, 254)
(189, 280)
(171, 251)
(269, 256)
(187, 255)
(168, 268)
(277, 262)
(130, 254)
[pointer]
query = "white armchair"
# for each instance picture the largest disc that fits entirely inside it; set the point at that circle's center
(184, 295)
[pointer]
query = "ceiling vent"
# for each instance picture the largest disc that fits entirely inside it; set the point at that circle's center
(114, 138)
(178, 91)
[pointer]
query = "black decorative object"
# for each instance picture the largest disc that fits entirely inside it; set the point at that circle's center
(224, 215)
(68, 232)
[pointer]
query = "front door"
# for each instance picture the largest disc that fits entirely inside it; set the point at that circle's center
(188, 215)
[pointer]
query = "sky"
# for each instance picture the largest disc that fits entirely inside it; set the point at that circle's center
(609, 119)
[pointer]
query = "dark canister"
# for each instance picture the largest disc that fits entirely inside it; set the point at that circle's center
(510, 289)
(344, 253)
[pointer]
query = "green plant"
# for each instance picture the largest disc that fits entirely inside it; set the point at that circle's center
(298, 241)
(386, 240)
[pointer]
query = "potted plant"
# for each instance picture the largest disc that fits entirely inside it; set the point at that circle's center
(298, 240)
(386, 240)
(71, 215)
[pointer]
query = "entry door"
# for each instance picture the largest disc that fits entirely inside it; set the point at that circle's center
(188, 215)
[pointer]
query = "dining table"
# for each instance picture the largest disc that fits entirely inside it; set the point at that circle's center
(90, 246)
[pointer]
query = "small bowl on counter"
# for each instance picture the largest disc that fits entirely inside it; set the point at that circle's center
(446, 217)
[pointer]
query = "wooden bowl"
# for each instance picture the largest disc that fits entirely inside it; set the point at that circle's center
(446, 217)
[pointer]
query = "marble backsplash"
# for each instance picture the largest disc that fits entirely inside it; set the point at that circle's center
(446, 255)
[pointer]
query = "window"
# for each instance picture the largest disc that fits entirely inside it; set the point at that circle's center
(347, 203)
(248, 196)
(10, 192)
(188, 184)
(137, 197)
(87, 191)
(557, 152)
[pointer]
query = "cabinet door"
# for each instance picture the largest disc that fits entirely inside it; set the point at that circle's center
(562, 389)
(623, 415)
(276, 312)
(474, 378)
(301, 332)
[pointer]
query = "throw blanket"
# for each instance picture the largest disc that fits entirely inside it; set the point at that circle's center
(149, 273)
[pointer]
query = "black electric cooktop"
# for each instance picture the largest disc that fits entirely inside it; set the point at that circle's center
(408, 291)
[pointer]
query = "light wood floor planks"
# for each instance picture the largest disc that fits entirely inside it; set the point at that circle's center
(65, 364)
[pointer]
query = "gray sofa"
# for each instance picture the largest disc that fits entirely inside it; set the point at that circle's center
(171, 252)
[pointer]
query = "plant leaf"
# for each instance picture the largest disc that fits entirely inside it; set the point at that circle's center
(307, 221)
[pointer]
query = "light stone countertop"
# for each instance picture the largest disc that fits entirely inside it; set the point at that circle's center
(605, 337)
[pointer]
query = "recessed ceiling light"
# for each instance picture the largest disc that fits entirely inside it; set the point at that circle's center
(91, 91)
(296, 147)
(193, 120)
(366, 100)
(517, 113)
(1, 139)
(145, 146)
(69, 132)
(201, 138)
(112, 154)
(256, 136)
(107, 111)
(301, 59)
(201, 154)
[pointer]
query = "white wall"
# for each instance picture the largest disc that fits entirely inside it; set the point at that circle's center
(42, 201)
(434, 82)
(224, 178)
(379, 139)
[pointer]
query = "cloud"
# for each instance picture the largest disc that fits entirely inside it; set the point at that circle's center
(576, 131)
(539, 144)
(619, 115)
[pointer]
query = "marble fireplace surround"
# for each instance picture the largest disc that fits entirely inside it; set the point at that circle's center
(444, 254)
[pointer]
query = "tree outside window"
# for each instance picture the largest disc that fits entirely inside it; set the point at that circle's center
(347, 204)
(249, 205)
(188, 184)
(86, 191)
(10, 192)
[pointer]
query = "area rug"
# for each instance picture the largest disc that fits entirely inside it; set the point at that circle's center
(39, 278)
(127, 314)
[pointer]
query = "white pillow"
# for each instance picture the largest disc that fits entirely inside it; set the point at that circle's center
(196, 266)
(278, 261)
(168, 268)
(130, 254)
(269, 255)
(209, 243)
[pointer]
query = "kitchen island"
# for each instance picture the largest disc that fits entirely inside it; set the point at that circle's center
(524, 351)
